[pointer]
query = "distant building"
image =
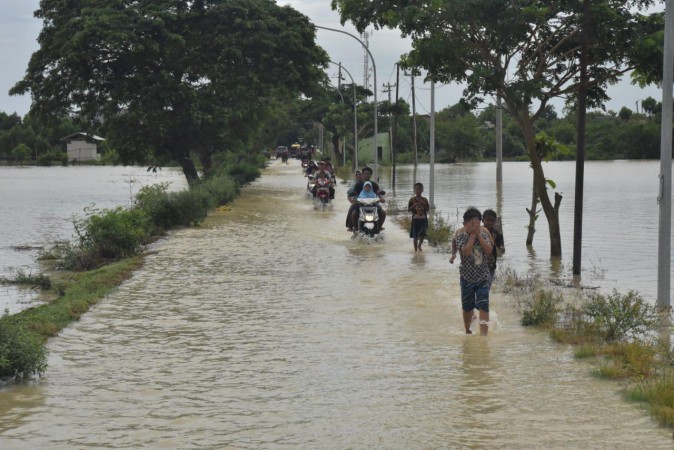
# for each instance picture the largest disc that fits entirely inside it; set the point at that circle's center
(82, 146)
(366, 149)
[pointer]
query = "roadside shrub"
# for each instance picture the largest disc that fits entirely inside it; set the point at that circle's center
(621, 316)
(190, 207)
(440, 232)
(542, 309)
(221, 188)
(21, 351)
(155, 202)
(243, 172)
(113, 233)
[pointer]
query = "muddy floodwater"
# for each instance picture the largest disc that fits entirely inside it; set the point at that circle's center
(268, 328)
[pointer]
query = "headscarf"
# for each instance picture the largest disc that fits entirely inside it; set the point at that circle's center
(367, 194)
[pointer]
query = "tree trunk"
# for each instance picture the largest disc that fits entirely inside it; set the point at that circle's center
(540, 187)
(206, 160)
(533, 214)
(189, 170)
(336, 150)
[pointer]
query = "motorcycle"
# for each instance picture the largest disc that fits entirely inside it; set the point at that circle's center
(323, 193)
(368, 218)
(311, 182)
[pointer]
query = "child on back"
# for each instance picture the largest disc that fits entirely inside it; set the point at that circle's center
(489, 220)
(419, 208)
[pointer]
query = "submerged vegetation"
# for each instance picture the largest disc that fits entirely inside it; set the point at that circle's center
(627, 338)
(439, 233)
(106, 251)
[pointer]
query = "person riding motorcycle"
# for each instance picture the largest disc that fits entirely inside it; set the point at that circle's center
(324, 172)
(311, 168)
(351, 196)
(354, 211)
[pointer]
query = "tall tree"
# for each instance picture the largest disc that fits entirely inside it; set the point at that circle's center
(171, 78)
(525, 51)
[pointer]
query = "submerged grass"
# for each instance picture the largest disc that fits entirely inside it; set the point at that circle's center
(439, 233)
(619, 332)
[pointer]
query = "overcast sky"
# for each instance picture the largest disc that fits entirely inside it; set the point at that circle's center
(19, 31)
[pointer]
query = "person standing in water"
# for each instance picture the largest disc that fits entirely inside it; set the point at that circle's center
(474, 245)
(419, 208)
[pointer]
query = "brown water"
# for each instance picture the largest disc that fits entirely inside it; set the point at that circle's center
(37, 205)
(268, 327)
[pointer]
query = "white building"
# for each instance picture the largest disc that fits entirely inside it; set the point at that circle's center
(82, 146)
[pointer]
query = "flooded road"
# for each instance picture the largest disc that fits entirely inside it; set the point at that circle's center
(267, 327)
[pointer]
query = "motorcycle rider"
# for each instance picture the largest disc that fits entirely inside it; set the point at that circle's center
(323, 171)
(354, 210)
(351, 197)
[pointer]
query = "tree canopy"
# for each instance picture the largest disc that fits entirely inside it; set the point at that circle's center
(171, 78)
(524, 51)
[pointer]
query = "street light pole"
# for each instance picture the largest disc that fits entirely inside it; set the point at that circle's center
(665, 177)
(374, 70)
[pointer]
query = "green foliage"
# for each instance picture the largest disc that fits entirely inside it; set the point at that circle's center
(173, 78)
(222, 188)
(113, 233)
(548, 148)
(542, 309)
(155, 202)
(243, 173)
(22, 352)
(439, 232)
(191, 206)
(620, 316)
(21, 152)
(625, 114)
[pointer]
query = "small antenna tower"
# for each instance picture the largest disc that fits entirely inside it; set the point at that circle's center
(366, 59)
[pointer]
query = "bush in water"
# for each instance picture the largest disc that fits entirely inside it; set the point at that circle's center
(114, 233)
(542, 309)
(243, 172)
(21, 351)
(223, 188)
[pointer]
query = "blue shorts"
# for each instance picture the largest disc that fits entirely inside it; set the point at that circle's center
(475, 295)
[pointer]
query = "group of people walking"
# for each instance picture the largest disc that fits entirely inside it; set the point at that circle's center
(478, 242)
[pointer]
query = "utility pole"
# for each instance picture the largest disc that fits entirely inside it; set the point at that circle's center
(387, 90)
(388, 87)
(394, 147)
(499, 139)
(414, 125)
(580, 147)
(665, 194)
(431, 189)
